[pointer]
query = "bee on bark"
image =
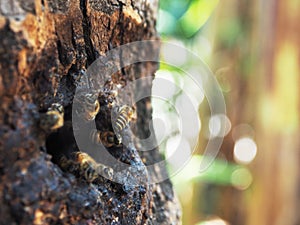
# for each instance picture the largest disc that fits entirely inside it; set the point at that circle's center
(53, 118)
(85, 166)
(89, 168)
(107, 138)
(123, 116)
(87, 106)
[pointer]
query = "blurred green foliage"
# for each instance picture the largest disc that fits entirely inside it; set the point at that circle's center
(220, 172)
(183, 19)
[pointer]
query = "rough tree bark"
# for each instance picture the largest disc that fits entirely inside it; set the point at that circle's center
(45, 48)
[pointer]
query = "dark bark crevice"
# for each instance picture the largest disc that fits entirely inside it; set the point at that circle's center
(87, 33)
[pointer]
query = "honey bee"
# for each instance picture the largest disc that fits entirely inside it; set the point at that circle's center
(53, 118)
(85, 166)
(89, 168)
(123, 117)
(107, 138)
(87, 105)
(92, 107)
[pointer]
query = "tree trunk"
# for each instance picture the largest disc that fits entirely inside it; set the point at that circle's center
(45, 48)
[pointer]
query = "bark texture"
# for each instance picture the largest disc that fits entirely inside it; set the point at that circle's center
(45, 48)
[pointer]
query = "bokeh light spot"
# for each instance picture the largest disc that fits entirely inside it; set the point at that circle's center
(164, 85)
(177, 58)
(219, 125)
(178, 150)
(187, 109)
(245, 150)
(215, 221)
(241, 178)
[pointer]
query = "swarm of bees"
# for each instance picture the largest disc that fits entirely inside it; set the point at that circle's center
(89, 107)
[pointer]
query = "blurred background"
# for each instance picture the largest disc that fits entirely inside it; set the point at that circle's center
(253, 50)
